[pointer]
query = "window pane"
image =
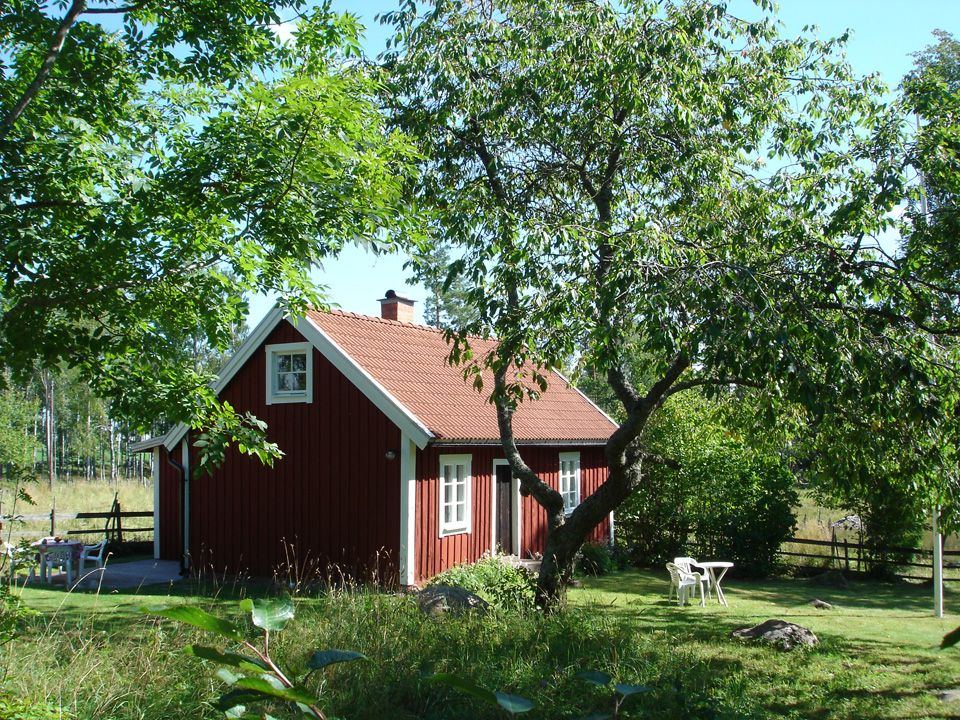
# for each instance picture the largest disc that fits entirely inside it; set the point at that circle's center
(447, 513)
(461, 492)
(283, 363)
(299, 362)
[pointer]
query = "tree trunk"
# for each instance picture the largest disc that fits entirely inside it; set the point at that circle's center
(51, 429)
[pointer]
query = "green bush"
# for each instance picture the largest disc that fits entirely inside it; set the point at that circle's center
(14, 708)
(595, 559)
(504, 586)
(743, 509)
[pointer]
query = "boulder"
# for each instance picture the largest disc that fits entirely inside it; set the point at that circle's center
(949, 695)
(821, 604)
(437, 600)
(781, 633)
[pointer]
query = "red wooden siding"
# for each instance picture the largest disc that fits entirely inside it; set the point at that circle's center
(334, 497)
(435, 554)
(169, 506)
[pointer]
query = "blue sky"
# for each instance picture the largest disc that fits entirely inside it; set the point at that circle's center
(883, 34)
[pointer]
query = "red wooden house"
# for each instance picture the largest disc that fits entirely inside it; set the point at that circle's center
(391, 459)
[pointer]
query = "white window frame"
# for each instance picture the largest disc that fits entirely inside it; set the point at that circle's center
(455, 527)
(571, 496)
(278, 397)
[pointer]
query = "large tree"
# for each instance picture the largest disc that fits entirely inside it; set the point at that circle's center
(665, 179)
(162, 160)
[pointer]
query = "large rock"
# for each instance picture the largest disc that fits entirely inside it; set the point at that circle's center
(437, 600)
(785, 635)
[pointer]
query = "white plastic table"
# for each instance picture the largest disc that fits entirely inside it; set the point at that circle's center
(47, 547)
(711, 566)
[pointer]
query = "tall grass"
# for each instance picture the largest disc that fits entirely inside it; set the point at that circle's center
(99, 658)
(76, 496)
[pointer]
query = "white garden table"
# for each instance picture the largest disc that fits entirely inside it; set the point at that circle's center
(52, 552)
(711, 566)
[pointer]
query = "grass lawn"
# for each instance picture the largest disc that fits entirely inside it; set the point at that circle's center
(98, 657)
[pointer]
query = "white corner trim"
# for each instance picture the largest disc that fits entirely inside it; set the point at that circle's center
(613, 536)
(466, 528)
(275, 397)
(185, 461)
(398, 414)
(583, 395)
(408, 511)
(254, 340)
(155, 474)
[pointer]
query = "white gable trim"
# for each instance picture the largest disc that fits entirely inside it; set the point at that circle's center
(376, 393)
(373, 390)
(254, 340)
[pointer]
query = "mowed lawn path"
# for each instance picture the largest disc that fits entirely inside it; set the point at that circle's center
(879, 654)
(879, 657)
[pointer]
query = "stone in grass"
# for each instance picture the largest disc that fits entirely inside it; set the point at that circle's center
(821, 604)
(949, 695)
(781, 633)
(439, 600)
(831, 579)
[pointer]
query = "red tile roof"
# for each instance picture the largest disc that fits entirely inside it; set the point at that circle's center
(410, 362)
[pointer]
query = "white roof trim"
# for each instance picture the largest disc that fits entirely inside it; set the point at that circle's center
(397, 413)
(147, 444)
(583, 395)
(230, 368)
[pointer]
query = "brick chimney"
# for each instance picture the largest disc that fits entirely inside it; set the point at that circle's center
(394, 307)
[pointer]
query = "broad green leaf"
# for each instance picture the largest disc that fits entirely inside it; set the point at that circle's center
(232, 659)
(514, 704)
(262, 687)
(269, 614)
(198, 618)
(627, 690)
(466, 686)
(595, 677)
(322, 658)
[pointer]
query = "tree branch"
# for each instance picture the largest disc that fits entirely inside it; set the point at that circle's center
(56, 46)
(700, 382)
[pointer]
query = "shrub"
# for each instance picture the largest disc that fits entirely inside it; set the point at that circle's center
(505, 586)
(745, 502)
(14, 708)
(595, 559)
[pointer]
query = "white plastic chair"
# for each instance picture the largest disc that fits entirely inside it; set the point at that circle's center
(62, 559)
(686, 564)
(95, 553)
(681, 582)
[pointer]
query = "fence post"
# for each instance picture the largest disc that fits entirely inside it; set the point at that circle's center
(119, 524)
(53, 517)
(846, 554)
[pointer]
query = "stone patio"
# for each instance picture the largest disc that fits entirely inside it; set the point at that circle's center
(134, 574)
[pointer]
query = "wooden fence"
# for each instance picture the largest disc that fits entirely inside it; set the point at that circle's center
(113, 528)
(849, 555)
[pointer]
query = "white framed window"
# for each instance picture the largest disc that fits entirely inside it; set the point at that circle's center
(455, 481)
(570, 480)
(289, 373)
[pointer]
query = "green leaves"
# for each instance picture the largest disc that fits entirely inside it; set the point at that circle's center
(322, 658)
(269, 614)
(513, 704)
(198, 618)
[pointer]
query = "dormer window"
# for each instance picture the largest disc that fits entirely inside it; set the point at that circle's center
(289, 373)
